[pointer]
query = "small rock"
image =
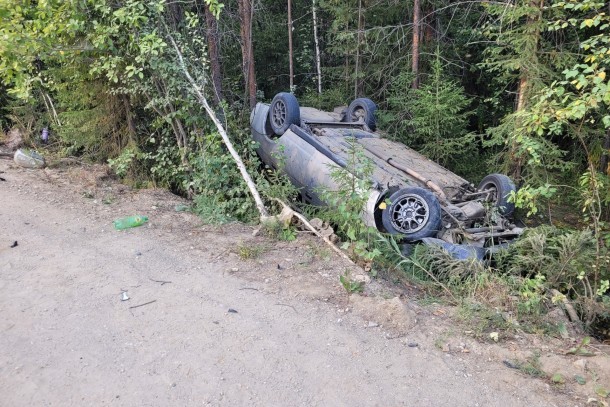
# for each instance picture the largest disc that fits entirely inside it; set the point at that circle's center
(361, 278)
(412, 344)
(372, 324)
(510, 364)
(581, 364)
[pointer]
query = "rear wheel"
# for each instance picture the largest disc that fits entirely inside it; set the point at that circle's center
(283, 112)
(500, 187)
(413, 212)
(362, 110)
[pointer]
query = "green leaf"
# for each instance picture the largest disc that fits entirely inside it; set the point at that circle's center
(602, 391)
(558, 379)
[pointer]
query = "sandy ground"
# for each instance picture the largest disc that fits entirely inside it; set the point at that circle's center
(215, 316)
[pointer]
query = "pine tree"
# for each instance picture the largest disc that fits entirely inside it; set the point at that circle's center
(433, 118)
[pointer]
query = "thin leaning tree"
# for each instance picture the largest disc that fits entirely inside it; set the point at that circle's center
(198, 90)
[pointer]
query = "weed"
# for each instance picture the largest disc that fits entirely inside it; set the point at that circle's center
(319, 251)
(249, 251)
(532, 366)
(441, 341)
(347, 203)
(108, 200)
(280, 231)
(558, 379)
(350, 285)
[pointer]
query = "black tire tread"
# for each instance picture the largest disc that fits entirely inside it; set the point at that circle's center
(504, 186)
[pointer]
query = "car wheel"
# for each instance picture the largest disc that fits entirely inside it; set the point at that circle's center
(413, 212)
(283, 112)
(362, 109)
(500, 187)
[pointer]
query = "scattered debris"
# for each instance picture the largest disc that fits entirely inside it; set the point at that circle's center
(232, 311)
(163, 282)
(141, 305)
(325, 229)
(28, 159)
(130, 222)
(413, 344)
(182, 208)
(15, 244)
(124, 296)
(511, 365)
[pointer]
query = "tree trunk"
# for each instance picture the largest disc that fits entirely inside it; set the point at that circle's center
(604, 161)
(357, 82)
(290, 46)
(524, 86)
(416, 28)
(245, 14)
(428, 24)
(317, 43)
(131, 127)
(214, 53)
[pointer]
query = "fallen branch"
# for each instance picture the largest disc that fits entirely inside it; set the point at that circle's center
(569, 309)
(163, 282)
(303, 219)
(141, 305)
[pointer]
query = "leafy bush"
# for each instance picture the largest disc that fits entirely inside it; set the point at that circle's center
(347, 202)
(565, 260)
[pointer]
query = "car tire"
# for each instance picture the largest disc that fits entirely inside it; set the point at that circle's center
(284, 111)
(502, 187)
(413, 212)
(362, 109)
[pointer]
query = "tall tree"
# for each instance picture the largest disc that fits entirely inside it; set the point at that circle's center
(290, 51)
(245, 15)
(317, 45)
(359, 41)
(214, 53)
(416, 30)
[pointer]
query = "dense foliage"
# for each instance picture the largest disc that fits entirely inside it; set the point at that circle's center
(522, 85)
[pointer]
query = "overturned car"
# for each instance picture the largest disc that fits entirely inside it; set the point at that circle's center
(409, 195)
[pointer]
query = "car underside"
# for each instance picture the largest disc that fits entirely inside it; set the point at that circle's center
(409, 195)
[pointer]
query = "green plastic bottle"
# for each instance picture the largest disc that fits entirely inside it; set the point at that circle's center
(130, 222)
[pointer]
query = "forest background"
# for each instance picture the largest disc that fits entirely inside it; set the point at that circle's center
(515, 86)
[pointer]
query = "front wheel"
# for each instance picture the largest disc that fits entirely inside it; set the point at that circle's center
(500, 188)
(413, 212)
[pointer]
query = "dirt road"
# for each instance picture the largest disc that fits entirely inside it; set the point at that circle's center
(276, 330)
